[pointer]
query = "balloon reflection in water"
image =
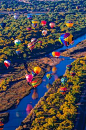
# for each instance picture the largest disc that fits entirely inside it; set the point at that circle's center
(55, 77)
(29, 108)
(35, 94)
(48, 86)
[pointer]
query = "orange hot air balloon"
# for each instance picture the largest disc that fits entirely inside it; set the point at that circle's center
(69, 24)
(54, 69)
(52, 24)
(43, 23)
(37, 70)
(56, 54)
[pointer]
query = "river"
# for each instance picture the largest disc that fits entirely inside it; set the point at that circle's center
(18, 114)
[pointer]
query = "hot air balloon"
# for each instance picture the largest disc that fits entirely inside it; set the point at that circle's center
(69, 24)
(40, 42)
(56, 54)
(44, 32)
(3, 25)
(29, 16)
(29, 108)
(34, 25)
(52, 25)
(29, 77)
(34, 83)
(63, 90)
(68, 67)
(18, 51)
(28, 28)
(63, 80)
(34, 21)
(43, 23)
(48, 76)
(1, 125)
(17, 42)
(16, 16)
(72, 73)
(66, 39)
(37, 70)
(31, 46)
(34, 40)
(54, 69)
(35, 94)
(7, 63)
(77, 7)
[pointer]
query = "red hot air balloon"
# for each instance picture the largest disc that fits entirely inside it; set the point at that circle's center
(63, 90)
(43, 23)
(52, 25)
(7, 63)
(56, 54)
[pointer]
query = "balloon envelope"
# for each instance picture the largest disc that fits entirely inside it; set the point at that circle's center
(29, 16)
(69, 23)
(18, 51)
(66, 39)
(44, 32)
(31, 46)
(28, 28)
(52, 24)
(34, 83)
(48, 76)
(56, 54)
(7, 63)
(34, 40)
(63, 90)
(43, 23)
(29, 77)
(17, 42)
(37, 70)
(54, 69)
(34, 24)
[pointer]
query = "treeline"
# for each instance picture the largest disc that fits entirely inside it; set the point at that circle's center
(51, 6)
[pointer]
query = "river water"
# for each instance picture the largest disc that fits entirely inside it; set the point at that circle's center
(18, 114)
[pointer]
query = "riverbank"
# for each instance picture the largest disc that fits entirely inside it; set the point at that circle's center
(76, 52)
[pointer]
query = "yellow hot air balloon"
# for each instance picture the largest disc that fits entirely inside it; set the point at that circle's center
(69, 39)
(69, 24)
(37, 70)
